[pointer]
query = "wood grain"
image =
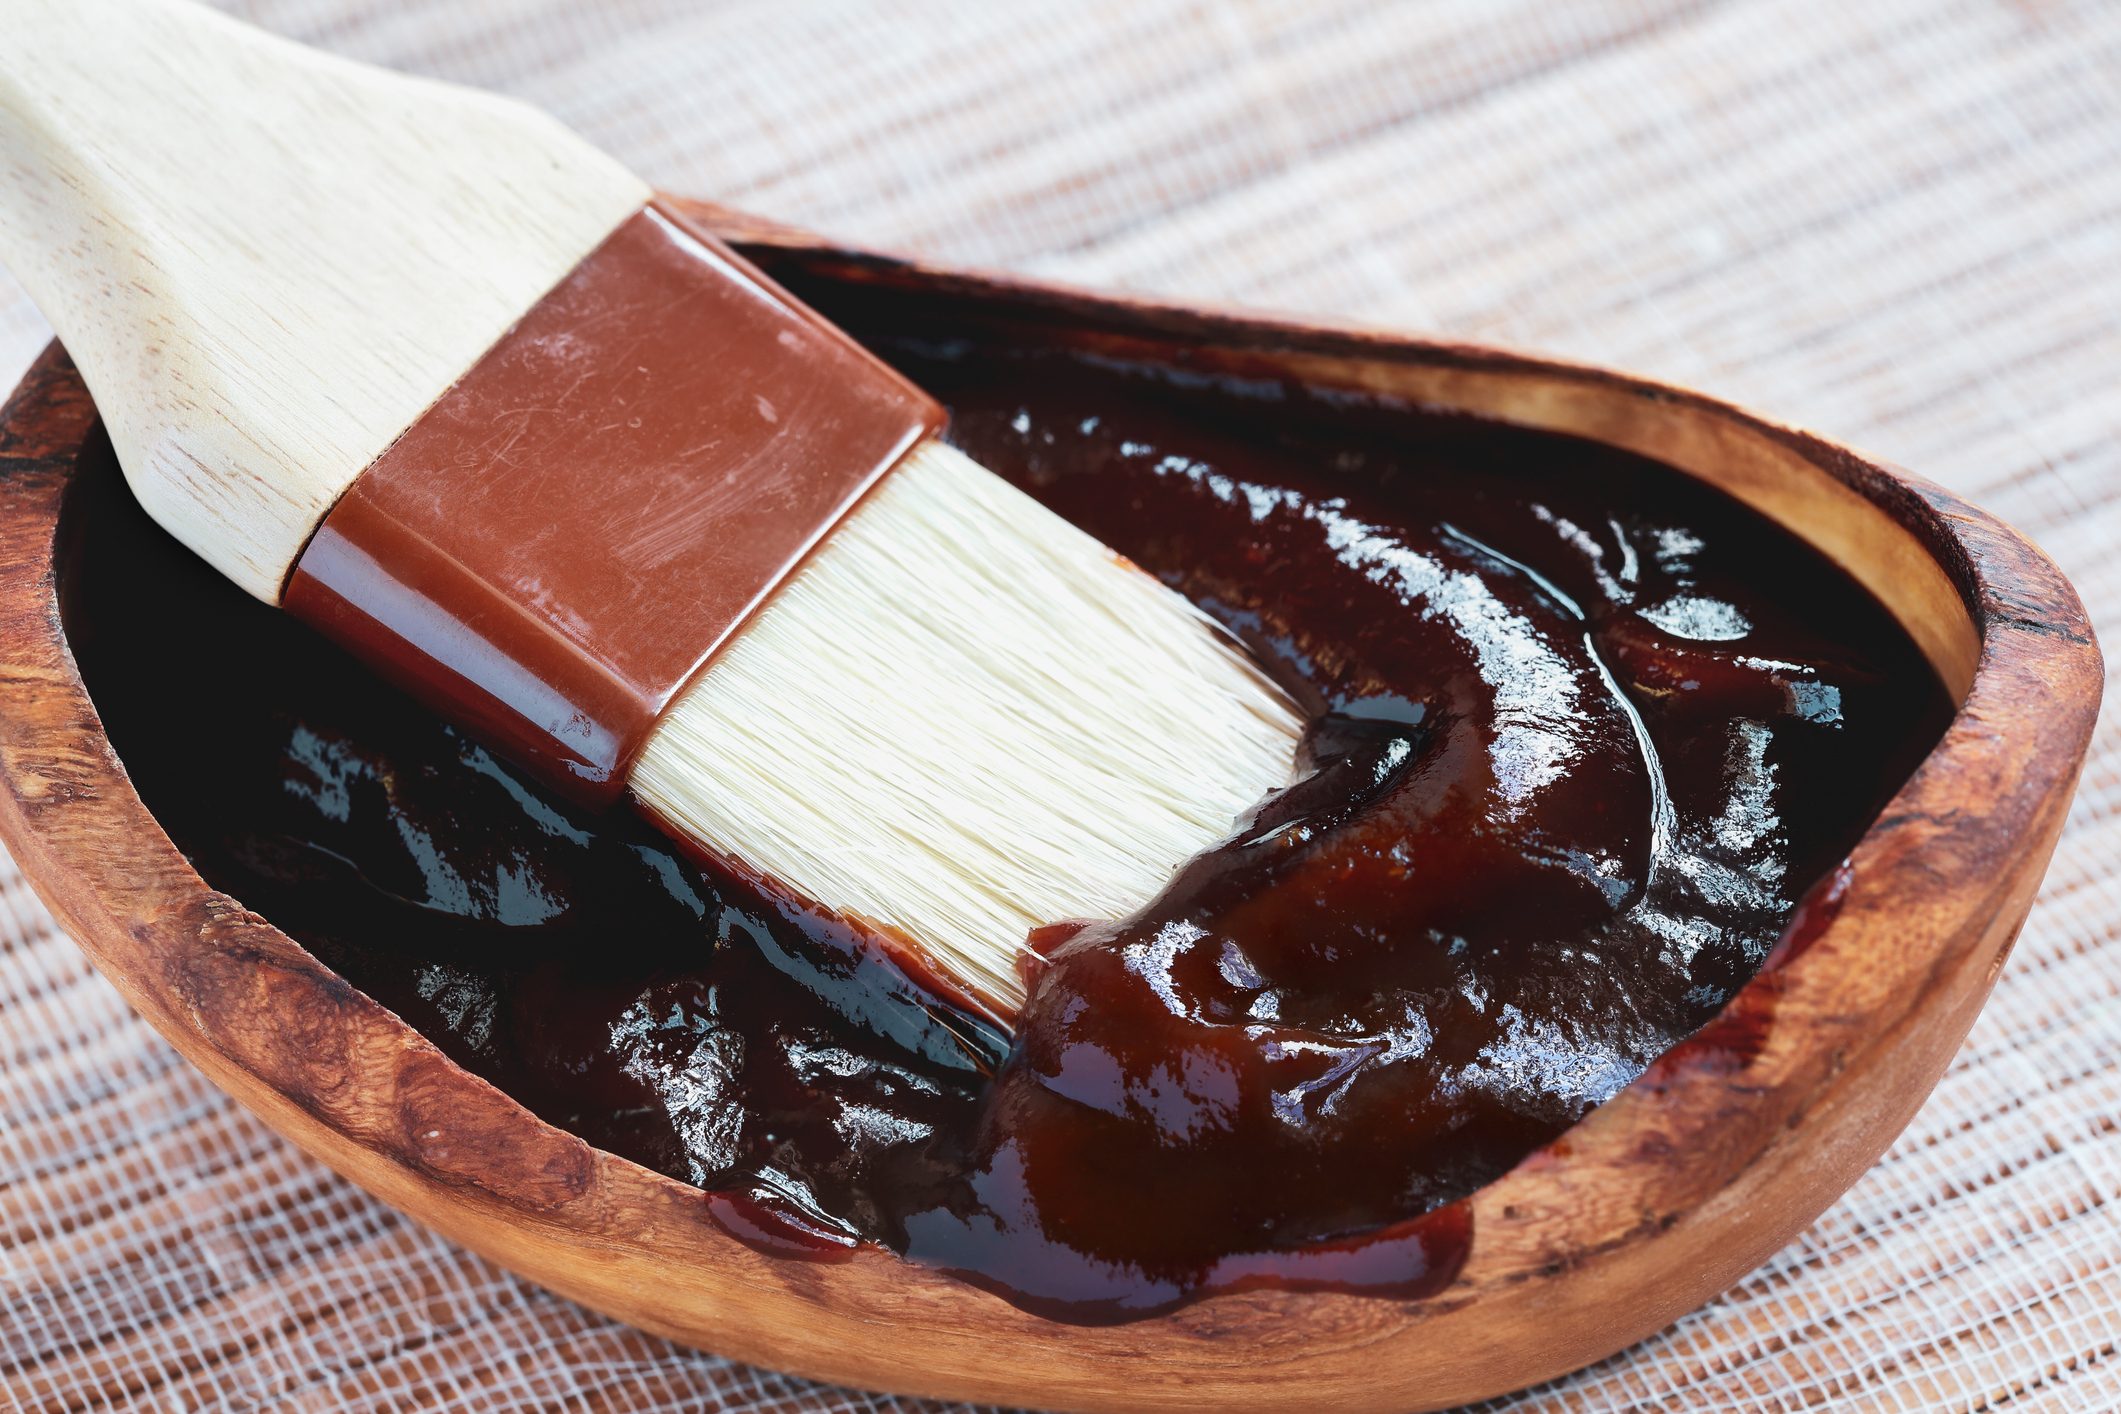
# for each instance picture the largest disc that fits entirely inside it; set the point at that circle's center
(1658, 1200)
(266, 260)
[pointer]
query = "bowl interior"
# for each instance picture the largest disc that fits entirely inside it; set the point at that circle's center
(1658, 1199)
(213, 766)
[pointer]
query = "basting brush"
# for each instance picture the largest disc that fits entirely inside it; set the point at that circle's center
(430, 372)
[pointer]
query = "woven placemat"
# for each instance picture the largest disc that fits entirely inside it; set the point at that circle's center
(1899, 222)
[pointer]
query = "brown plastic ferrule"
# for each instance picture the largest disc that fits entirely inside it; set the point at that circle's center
(554, 550)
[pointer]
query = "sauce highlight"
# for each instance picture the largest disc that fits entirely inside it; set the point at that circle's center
(1585, 733)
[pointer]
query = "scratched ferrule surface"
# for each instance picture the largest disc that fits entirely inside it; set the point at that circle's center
(554, 549)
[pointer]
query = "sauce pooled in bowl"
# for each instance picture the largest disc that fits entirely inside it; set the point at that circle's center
(1585, 733)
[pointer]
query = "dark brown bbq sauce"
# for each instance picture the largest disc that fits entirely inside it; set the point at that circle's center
(1586, 732)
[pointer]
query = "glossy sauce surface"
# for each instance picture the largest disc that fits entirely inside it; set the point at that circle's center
(1586, 732)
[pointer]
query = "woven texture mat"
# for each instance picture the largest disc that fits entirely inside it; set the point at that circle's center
(1899, 222)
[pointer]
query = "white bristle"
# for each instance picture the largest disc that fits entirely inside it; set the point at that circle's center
(964, 718)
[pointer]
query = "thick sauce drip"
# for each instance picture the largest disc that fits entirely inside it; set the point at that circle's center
(1586, 733)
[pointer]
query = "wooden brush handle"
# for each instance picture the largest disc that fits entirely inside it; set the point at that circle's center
(266, 261)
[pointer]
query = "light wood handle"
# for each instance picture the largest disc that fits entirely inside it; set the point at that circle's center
(268, 261)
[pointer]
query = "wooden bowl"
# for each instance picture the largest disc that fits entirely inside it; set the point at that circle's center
(1663, 1197)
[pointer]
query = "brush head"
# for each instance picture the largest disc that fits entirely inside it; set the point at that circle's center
(537, 471)
(964, 718)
